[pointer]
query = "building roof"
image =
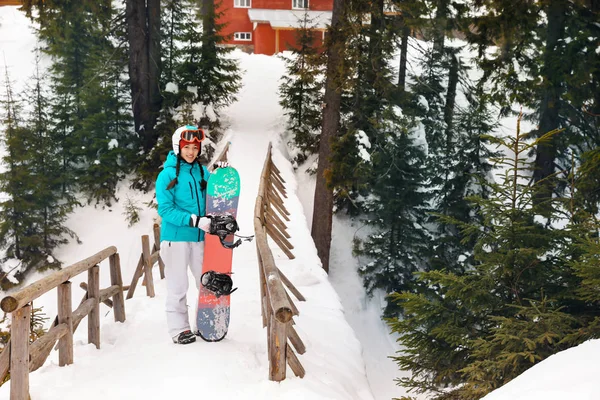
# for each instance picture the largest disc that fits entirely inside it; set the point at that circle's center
(289, 19)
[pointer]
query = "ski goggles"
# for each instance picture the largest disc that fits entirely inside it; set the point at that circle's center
(192, 135)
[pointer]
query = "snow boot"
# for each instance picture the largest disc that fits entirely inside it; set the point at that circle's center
(184, 337)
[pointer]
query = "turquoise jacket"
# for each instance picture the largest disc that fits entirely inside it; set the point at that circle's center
(176, 206)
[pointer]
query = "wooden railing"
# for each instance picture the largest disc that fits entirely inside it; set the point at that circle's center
(19, 357)
(145, 263)
(277, 306)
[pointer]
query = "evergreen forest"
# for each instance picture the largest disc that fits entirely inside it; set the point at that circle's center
(483, 237)
(123, 76)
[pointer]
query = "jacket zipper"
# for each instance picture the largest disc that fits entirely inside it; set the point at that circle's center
(197, 197)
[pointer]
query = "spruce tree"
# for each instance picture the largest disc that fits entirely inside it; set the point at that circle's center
(108, 144)
(19, 223)
(180, 41)
(544, 59)
(90, 106)
(475, 330)
(462, 163)
(62, 106)
(367, 98)
(218, 74)
(300, 91)
(396, 210)
(65, 32)
(187, 56)
(456, 153)
(175, 16)
(49, 203)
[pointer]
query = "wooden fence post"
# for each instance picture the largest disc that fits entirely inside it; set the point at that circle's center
(94, 315)
(117, 279)
(277, 351)
(65, 316)
(19, 353)
(156, 247)
(147, 266)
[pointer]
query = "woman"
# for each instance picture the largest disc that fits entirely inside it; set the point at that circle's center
(181, 197)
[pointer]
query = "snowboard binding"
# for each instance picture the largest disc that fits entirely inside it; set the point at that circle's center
(224, 225)
(219, 284)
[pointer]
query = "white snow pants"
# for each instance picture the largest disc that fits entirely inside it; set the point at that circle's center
(177, 256)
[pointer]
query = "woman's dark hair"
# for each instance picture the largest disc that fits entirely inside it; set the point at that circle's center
(174, 181)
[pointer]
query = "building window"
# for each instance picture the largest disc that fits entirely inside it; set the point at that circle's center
(242, 3)
(300, 4)
(242, 36)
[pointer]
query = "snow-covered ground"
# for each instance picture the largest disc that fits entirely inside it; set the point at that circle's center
(347, 343)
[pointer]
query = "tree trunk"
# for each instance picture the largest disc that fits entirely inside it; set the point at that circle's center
(451, 97)
(323, 204)
(440, 26)
(154, 69)
(143, 32)
(208, 24)
(376, 32)
(138, 57)
(550, 105)
(403, 56)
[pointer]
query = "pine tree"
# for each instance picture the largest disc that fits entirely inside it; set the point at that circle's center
(582, 233)
(65, 32)
(180, 41)
(90, 106)
(545, 60)
(108, 144)
(301, 93)
(19, 228)
(49, 203)
(177, 17)
(367, 98)
(463, 163)
(219, 74)
(188, 55)
(396, 209)
(456, 152)
(476, 330)
(427, 105)
(323, 204)
(588, 181)
(62, 106)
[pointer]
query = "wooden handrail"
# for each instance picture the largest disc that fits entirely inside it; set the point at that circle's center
(277, 307)
(36, 289)
(19, 357)
(277, 298)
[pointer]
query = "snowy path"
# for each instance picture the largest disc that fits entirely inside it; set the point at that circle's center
(137, 359)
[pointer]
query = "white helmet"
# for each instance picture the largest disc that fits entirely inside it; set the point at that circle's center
(188, 133)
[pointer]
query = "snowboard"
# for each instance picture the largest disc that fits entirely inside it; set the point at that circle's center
(222, 193)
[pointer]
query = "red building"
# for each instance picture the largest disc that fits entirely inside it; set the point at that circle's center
(268, 26)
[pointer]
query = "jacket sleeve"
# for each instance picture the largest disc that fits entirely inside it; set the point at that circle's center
(167, 209)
